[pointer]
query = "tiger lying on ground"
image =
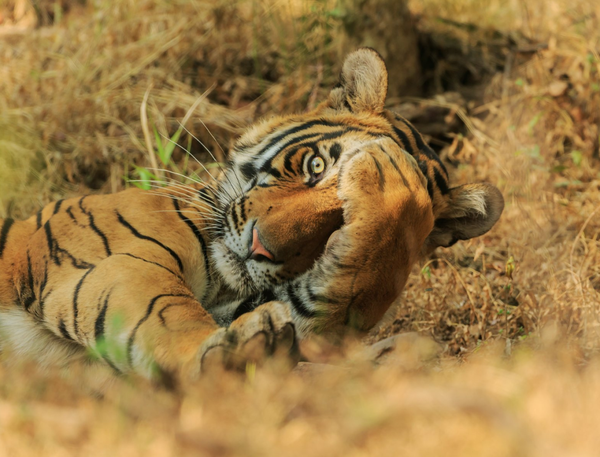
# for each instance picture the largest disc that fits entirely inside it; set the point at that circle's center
(314, 227)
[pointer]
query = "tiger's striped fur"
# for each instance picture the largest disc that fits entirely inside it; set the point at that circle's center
(175, 280)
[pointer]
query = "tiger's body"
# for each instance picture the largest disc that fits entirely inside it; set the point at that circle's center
(313, 227)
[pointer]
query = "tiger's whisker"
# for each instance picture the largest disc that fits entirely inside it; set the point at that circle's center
(224, 154)
(203, 219)
(189, 200)
(213, 156)
(192, 193)
(215, 190)
(200, 163)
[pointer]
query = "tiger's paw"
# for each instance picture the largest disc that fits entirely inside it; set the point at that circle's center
(384, 198)
(378, 183)
(265, 333)
(387, 216)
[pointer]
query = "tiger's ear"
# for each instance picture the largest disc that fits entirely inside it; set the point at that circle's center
(363, 83)
(472, 210)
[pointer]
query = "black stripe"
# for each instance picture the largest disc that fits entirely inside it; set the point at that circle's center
(432, 155)
(395, 165)
(416, 135)
(293, 141)
(41, 307)
(298, 305)
(43, 284)
(149, 309)
(50, 242)
(311, 295)
(306, 152)
(234, 216)
(198, 235)
(267, 296)
(29, 272)
(161, 315)
(299, 128)
(28, 301)
(55, 249)
(423, 147)
(253, 302)
(309, 136)
(4, 234)
(392, 161)
(77, 263)
(273, 172)
(425, 170)
(302, 141)
(248, 170)
(110, 364)
(148, 238)
(149, 261)
(99, 324)
(440, 181)
(406, 145)
(335, 151)
(63, 330)
(287, 161)
(246, 306)
(29, 295)
(380, 170)
(57, 206)
(95, 228)
(69, 211)
(75, 300)
(99, 332)
(39, 219)
(243, 207)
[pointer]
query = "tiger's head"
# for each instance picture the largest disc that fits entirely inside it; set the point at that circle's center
(279, 196)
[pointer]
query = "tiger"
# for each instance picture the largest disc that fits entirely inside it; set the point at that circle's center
(312, 228)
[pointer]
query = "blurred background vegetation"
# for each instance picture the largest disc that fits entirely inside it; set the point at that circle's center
(506, 91)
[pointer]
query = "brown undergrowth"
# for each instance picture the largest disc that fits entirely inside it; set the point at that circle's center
(512, 96)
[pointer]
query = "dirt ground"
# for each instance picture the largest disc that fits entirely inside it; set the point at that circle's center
(506, 361)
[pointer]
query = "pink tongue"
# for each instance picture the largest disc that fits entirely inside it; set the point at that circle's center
(257, 247)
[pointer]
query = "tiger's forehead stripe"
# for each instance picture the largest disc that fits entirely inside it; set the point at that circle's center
(426, 150)
(262, 158)
(296, 128)
(309, 139)
(264, 163)
(273, 146)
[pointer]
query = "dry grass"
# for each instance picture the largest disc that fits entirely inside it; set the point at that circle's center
(519, 371)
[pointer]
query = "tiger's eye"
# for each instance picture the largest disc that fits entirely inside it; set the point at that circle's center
(317, 165)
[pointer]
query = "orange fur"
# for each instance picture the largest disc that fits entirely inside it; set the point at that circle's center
(166, 282)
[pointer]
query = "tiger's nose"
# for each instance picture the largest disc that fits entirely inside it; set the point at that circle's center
(257, 251)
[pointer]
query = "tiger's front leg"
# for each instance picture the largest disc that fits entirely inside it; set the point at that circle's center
(387, 217)
(139, 317)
